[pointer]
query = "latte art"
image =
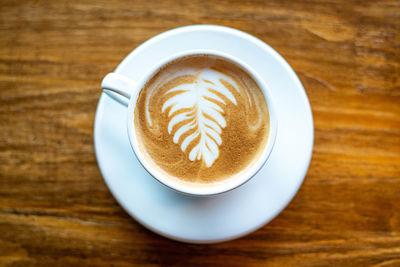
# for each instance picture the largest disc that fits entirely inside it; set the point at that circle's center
(199, 111)
(201, 119)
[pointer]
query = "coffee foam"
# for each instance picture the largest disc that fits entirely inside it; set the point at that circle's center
(201, 120)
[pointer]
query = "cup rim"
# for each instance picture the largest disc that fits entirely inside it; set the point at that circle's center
(217, 188)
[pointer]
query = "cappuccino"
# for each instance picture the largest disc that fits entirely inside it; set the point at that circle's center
(201, 119)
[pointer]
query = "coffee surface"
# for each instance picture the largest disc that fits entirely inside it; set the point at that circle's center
(201, 119)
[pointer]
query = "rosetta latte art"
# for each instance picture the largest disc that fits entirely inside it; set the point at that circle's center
(201, 110)
(201, 119)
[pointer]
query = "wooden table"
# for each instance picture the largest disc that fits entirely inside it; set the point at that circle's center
(54, 206)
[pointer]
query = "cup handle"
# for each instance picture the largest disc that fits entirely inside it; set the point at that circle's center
(119, 84)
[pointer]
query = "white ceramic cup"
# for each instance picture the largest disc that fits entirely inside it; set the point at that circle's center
(130, 89)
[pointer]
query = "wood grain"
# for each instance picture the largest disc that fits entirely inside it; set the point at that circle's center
(54, 206)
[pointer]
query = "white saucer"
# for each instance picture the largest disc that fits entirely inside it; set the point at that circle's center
(230, 215)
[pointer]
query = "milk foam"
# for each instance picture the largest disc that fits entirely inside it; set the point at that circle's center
(201, 109)
(202, 119)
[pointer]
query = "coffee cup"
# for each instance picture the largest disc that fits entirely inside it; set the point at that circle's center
(211, 126)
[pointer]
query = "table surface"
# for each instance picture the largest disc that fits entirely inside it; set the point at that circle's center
(54, 205)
